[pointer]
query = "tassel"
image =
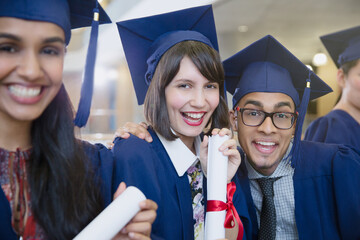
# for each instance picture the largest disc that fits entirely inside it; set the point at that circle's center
(295, 154)
(87, 88)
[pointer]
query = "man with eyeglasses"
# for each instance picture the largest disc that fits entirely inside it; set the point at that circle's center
(287, 188)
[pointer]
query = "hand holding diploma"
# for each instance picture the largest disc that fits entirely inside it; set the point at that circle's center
(223, 160)
(127, 203)
(140, 225)
(228, 149)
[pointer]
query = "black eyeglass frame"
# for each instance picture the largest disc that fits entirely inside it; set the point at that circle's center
(241, 110)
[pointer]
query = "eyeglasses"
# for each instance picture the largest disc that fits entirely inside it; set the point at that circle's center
(253, 118)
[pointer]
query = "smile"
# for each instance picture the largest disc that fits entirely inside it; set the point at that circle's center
(265, 147)
(193, 119)
(25, 94)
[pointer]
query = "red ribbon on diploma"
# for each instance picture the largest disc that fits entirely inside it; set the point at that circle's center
(216, 206)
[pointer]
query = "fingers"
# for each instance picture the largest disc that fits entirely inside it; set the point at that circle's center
(138, 228)
(221, 132)
(234, 156)
(140, 225)
(215, 131)
(130, 235)
(121, 188)
(139, 130)
(205, 142)
(122, 132)
(229, 148)
(138, 236)
(144, 125)
(148, 212)
(110, 145)
(148, 204)
(145, 216)
(203, 154)
(228, 144)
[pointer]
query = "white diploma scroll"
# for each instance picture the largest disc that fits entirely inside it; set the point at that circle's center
(216, 187)
(114, 217)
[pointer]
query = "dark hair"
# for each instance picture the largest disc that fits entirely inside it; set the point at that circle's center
(346, 68)
(63, 196)
(348, 65)
(208, 62)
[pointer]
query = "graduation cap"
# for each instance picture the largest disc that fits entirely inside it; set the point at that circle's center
(67, 14)
(267, 66)
(343, 46)
(146, 39)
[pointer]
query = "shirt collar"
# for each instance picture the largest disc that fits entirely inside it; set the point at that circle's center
(180, 155)
(283, 169)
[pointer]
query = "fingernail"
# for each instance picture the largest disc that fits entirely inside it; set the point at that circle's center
(131, 234)
(142, 204)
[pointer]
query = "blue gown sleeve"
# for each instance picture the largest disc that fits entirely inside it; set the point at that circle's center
(135, 164)
(346, 182)
(103, 165)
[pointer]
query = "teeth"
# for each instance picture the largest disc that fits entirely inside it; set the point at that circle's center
(193, 120)
(26, 92)
(195, 115)
(266, 143)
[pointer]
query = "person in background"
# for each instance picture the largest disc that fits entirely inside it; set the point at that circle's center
(52, 185)
(294, 189)
(177, 72)
(342, 124)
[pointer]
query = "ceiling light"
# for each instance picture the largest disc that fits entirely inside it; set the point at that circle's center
(243, 28)
(319, 59)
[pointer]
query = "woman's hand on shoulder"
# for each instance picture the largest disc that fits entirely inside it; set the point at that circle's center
(137, 129)
(140, 226)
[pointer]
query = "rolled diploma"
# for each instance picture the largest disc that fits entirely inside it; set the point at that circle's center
(114, 217)
(216, 187)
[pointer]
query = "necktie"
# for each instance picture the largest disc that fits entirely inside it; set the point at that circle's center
(196, 183)
(268, 214)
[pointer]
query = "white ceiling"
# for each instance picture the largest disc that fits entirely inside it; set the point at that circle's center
(295, 23)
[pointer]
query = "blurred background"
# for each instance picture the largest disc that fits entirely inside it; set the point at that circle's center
(296, 24)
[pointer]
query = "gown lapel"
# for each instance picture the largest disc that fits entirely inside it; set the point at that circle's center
(184, 197)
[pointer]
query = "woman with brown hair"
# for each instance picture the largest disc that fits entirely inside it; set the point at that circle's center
(174, 62)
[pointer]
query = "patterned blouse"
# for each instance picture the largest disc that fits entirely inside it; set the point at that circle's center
(14, 184)
(196, 176)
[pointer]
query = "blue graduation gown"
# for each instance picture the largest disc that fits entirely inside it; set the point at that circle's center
(102, 160)
(335, 127)
(148, 167)
(326, 187)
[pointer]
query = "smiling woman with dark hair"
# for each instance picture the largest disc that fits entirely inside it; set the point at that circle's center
(207, 62)
(52, 185)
